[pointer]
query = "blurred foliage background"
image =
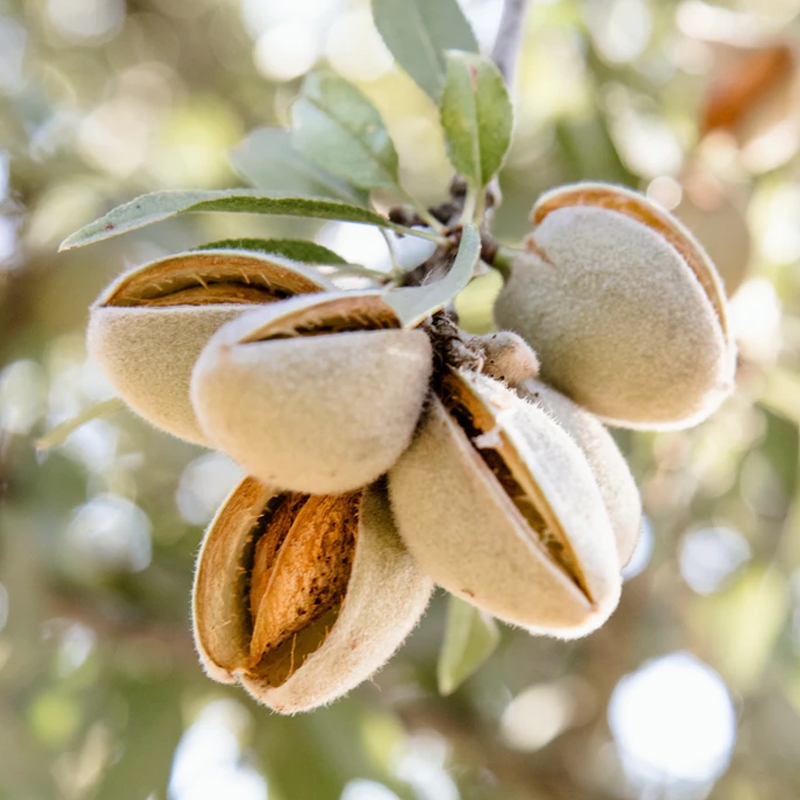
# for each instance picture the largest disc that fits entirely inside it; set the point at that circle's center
(691, 690)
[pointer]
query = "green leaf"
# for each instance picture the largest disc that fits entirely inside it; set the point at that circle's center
(267, 160)
(162, 205)
(470, 638)
(419, 32)
(336, 126)
(477, 117)
(302, 251)
(294, 249)
(414, 303)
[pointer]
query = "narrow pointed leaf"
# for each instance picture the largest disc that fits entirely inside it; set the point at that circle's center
(414, 303)
(477, 117)
(162, 205)
(267, 160)
(360, 271)
(335, 125)
(295, 249)
(59, 434)
(419, 32)
(299, 250)
(470, 638)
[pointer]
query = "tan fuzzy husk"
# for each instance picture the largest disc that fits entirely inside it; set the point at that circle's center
(148, 327)
(637, 207)
(623, 308)
(316, 395)
(529, 541)
(366, 617)
(609, 467)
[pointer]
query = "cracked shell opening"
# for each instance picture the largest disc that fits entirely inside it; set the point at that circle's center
(206, 278)
(329, 315)
(492, 445)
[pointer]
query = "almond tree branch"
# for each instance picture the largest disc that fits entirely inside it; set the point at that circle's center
(509, 37)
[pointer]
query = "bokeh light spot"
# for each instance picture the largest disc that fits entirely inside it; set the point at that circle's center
(422, 765)
(108, 534)
(755, 319)
(361, 789)
(673, 721)
(204, 484)
(540, 713)
(76, 644)
(286, 51)
(621, 28)
(665, 191)
(115, 136)
(207, 764)
(642, 553)
(709, 555)
(54, 718)
(23, 396)
(79, 20)
(13, 38)
(355, 49)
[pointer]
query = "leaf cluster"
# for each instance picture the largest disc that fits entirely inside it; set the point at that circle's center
(338, 150)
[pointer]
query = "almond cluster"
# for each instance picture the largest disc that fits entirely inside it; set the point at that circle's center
(385, 459)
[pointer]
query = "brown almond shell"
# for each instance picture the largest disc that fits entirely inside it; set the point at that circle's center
(385, 596)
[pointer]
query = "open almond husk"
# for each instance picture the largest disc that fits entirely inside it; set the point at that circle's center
(623, 307)
(301, 598)
(617, 487)
(148, 327)
(316, 394)
(500, 507)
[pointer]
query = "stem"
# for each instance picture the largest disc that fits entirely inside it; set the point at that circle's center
(480, 207)
(468, 214)
(509, 38)
(501, 260)
(423, 212)
(420, 233)
(396, 271)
